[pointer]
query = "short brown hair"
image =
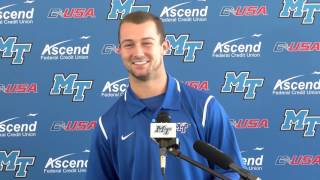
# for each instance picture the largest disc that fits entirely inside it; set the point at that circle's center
(140, 17)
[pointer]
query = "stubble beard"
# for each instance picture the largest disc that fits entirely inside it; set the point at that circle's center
(148, 74)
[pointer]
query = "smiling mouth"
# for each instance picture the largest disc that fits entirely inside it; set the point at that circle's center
(140, 62)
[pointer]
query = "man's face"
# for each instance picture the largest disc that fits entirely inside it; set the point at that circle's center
(141, 50)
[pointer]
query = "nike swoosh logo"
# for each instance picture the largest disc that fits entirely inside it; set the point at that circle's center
(126, 137)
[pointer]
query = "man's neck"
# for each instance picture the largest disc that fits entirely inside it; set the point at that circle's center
(149, 88)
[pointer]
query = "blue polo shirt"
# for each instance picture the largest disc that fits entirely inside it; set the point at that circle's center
(122, 148)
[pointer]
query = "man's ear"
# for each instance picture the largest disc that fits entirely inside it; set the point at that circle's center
(117, 49)
(165, 46)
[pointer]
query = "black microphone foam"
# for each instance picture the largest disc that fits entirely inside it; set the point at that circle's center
(212, 154)
(163, 117)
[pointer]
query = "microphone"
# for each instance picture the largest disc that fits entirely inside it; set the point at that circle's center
(164, 132)
(216, 156)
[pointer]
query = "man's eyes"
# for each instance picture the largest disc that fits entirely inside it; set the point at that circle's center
(130, 45)
(147, 43)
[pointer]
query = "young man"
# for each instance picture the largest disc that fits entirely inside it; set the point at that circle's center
(122, 147)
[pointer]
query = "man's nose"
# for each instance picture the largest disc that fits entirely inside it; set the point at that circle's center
(138, 51)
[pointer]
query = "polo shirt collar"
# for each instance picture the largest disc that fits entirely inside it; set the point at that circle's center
(171, 100)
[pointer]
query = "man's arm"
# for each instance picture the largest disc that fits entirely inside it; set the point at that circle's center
(100, 164)
(220, 133)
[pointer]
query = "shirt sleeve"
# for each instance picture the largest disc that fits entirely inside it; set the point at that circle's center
(220, 133)
(100, 164)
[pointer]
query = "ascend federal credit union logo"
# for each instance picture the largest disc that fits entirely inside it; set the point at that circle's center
(21, 12)
(298, 85)
(70, 49)
(242, 47)
(68, 163)
(17, 127)
(253, 159)
(115, 88)
(195, 11)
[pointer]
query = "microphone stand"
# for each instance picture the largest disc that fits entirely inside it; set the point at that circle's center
(177, 153)
(245, 175)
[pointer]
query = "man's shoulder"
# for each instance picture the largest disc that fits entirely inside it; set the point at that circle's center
(194, 94)
(114, 111)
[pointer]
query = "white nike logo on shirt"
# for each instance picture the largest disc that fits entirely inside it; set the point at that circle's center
(126, 137)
